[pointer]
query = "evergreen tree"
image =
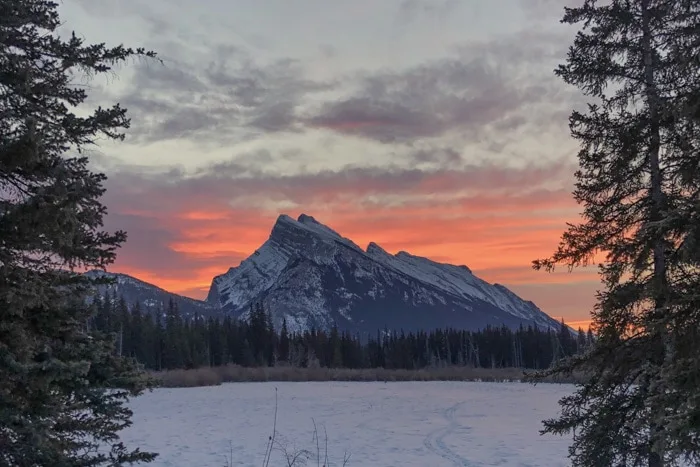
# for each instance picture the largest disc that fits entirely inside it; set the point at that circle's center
(122, 327)
(62, 387)
(284, 342)
(589, 337)
(138, 330)
(638, 182)
(580, 340)
(175, 349)
(335, 348)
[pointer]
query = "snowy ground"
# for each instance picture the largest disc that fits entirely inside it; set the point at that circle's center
(379, 424)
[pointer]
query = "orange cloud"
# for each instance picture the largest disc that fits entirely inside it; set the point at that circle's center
(494, 220)
(584, 324)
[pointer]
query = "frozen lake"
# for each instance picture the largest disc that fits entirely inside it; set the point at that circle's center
(378, 424)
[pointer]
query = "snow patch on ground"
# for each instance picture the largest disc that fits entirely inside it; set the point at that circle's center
(379, 424)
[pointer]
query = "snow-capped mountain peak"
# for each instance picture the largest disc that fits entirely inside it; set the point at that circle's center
(292, 234)
(310, 275)
(375, 250)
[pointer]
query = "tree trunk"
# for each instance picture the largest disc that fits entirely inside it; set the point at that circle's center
(656, 451)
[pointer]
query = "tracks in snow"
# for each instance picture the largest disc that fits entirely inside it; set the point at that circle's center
(435, 441)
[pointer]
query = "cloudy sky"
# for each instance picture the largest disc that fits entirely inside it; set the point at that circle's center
(431, 126)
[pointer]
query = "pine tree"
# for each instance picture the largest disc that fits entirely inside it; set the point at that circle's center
(580, 340)
(335, 348)
(589, 337)
(639, 184)
(137, 333)
(62, 388)
(284, 342)
(175, 351)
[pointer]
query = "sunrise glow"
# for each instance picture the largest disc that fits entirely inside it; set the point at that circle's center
(438, 131)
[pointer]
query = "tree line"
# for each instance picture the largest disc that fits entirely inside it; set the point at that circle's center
(166, 340)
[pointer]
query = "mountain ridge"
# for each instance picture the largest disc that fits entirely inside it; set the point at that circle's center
(307, 262)
(310, 276)
(151, 297)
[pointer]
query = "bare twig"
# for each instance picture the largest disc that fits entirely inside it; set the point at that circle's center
(295, 457)
(318, 449)
(292, 457)
(268, 452)
(229, 459)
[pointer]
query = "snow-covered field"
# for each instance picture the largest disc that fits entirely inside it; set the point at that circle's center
(425, 424)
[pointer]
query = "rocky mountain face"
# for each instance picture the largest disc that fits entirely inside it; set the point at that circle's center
(152, 298)
(310, 275)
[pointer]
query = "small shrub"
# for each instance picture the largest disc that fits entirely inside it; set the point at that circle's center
(238, 374)
(189, 378)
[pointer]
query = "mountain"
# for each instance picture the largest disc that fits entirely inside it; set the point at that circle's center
(310, 275)
(151, 297)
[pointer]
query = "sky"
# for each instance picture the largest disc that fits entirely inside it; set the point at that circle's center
(432, 126)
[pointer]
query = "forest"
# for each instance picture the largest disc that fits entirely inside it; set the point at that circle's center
(167, 340)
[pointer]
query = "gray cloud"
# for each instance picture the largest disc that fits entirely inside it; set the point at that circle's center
(501, 85)
(229, 97)
(547, 9)
(429, 101)
(520, 52)
(124, 8)
(441, 157)
(235, 181)
(248, 164)
(412, 9)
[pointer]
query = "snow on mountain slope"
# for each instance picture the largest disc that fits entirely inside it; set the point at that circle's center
(458, 280)
(310, 275)
(151, 297)
(260, 271)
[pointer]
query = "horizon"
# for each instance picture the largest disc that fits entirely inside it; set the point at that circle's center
(434, 127)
